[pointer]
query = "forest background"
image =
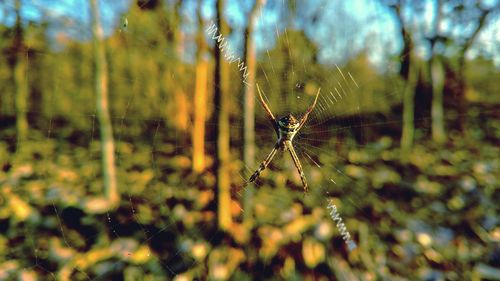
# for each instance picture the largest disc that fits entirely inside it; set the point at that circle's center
(127, 136)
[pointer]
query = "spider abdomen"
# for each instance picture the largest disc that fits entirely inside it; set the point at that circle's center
(286, 135)
(287, 127)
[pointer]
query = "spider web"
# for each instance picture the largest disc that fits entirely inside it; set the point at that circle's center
(165, 204)
(347, 147)
(332, 145)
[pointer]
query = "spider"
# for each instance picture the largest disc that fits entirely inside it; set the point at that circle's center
(286, 128)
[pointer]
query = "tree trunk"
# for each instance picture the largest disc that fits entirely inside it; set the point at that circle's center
(182, 108)
(461, 101)
(462, 85)
(200, 103)
(409, 72)
(222, 129)
(437, 110)
(437, 77)
(249, 104)
(21, 99)
(182, 112)
(409, 110)
(20, 81)
(200, 99)
(101, 88)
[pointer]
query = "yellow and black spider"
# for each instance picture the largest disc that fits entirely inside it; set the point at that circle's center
(286, 128)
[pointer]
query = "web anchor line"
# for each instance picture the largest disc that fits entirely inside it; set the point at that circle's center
(346, 236)
(222, 44)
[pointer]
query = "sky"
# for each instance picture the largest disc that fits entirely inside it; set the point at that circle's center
(340, 31)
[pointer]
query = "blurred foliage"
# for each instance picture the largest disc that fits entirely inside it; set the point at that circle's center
(434, 218)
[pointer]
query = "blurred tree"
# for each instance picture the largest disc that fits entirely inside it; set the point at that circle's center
(437, 107)
(200, 96)
(101, 88)
(443, 43)
(437, 81)
(222, 150)
(409, 72)
(294, 48)
(367, 94)
(143, 65)
(19, 61)
(482, 76)
(467, 17)
(61, 77)
(249, 101)
(447, 38)
(37, 41)
(408, 131)
(182, 116)
(4, 85)
(148, 4)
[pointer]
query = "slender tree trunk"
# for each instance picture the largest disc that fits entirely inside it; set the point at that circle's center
(200, 103)
(200, 99)
(409, 110)
(182, 112)
(409, 72)
(21, 99)
(249, 104)
(20, 81)
(101, 88)
(437, 110)
(437, 77)
(222, 129)
(182, 108)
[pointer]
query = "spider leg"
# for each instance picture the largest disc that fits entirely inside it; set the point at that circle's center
(267, 109)
(309, 110)
(264, 164)
(296, 161)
